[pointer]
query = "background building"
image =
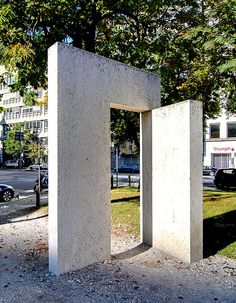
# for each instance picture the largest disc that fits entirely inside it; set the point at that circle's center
(34, 117)
(220, 141)
(125, 156)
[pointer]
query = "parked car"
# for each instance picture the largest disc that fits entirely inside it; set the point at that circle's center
(209, 170)
(6, 192)
(36, 166)
(225, 178)
(11, 164)
(43, 182)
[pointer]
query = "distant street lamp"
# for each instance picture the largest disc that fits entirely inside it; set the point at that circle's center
(36, 134)
(115, 151)
(19, 136)
(38, 191)
(3, 136)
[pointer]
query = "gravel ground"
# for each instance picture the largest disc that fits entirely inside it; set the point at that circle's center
(135, 273)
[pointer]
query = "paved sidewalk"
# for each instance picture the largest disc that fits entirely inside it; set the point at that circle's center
(21, 205)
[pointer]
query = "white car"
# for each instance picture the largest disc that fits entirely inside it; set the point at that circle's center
(36, 166)
(11, 164)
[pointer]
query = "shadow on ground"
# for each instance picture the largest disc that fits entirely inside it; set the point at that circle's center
(137, 250)
(218, 232)
(124, 199)
(12, 217)
(20, 210)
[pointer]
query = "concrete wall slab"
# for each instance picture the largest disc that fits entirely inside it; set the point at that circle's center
(177, 180)
(82, 87)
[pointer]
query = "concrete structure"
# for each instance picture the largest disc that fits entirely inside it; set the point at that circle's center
(82, 88)
(220, 141)
(177, 180)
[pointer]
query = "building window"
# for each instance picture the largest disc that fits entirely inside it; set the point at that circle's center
(8, 80)
(45, 126)
(214, 131)
(231, 129)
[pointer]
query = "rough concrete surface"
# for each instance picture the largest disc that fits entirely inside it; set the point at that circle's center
(177, 160)
(134, 273)
(82, 87)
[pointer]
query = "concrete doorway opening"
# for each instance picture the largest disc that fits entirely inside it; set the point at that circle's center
(125, 182)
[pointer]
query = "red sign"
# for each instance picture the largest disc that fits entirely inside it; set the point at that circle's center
(223, 149)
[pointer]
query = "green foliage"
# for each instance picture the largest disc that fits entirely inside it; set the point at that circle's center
(125, 127)
(191, 44)
(213, 68)
(28, 146)
(32, 150)
(13, 146)
(30, 98)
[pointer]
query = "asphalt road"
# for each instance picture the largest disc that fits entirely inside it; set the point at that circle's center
(23, 180)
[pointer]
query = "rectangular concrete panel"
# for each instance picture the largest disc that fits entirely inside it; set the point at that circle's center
(146, 177)
(177, 180)
(82, 87)
(79, 151)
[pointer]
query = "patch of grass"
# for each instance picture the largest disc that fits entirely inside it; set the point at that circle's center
(219, 225)
(125, 211)
(217, 203)
(219, 212)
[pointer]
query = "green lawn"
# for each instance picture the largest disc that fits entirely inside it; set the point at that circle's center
(125, 211)
(218, 203)
(219, 212)
(219, 225)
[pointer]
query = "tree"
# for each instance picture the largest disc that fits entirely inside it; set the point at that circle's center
(191, 44)
(212, 71)
(125, 127)
(33, 148)
(14, 146)
(27, 145)
(28, 28)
